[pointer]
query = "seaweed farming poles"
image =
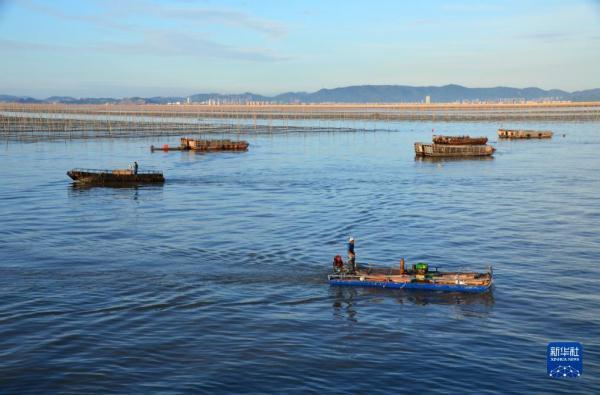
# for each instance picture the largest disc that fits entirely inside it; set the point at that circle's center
(41, 128)
(238, 113)
(34, 121)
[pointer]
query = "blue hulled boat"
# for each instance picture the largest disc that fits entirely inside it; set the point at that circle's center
(418, 277)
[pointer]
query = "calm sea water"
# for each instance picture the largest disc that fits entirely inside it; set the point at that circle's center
(216, 281)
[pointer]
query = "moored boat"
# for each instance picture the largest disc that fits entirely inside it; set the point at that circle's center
(214, 145)
(455, 146)
(459, 140)
(115, 177)
(187, 144)
(418, 277)
(444, 150)
(524, 134)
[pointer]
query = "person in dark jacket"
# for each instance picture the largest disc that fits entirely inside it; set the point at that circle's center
(135, 167)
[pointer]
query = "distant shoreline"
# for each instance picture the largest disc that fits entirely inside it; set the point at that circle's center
(353, 94)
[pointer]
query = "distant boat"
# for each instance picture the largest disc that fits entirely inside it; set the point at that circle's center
(115, 177)
(459, 140)
(419, 277)
(455, 146)
(205, 145)
(441, 150)
(214, 145)
(524, 134)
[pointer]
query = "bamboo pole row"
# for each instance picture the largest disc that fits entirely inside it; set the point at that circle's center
(341, 112)
(44, 121)
(24, 128)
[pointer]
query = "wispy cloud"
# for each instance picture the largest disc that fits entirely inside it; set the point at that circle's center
(227, 17)
(120, 16)
(153, 43)
(103, 19)
(182, 44)
(113, 12)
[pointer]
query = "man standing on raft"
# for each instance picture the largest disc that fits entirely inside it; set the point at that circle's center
(351, 255)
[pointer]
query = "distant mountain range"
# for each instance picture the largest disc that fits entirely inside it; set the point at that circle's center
(349, 94)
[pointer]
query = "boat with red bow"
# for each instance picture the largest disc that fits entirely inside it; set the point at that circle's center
(187, 144)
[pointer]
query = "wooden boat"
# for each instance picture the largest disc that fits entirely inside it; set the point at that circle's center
(213, 145)
(524, 134)
(455, 146)
(419, 277)
(459, 140)
(187, 144)
(115, 177)
(444, 150)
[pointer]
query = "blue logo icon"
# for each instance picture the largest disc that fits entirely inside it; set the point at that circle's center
(564, 359)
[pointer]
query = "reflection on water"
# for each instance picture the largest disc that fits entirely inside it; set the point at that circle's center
(348, 301)
(343, 303)
(434, 159)
(87, 190)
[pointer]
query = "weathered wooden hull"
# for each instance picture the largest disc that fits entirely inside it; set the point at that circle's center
(459, 140)
(444, 150)
(108, 178)
(524, 134)
(436, 281)
(213, 145)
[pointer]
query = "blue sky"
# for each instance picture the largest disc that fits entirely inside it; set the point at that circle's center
(145, 48)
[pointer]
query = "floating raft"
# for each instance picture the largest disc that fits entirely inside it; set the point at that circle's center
(205, 145)
(418, 278)
(115, 177)
(455, 146)
(459, 140)
(524, 134)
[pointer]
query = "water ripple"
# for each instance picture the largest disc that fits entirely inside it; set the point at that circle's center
(215, 281)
